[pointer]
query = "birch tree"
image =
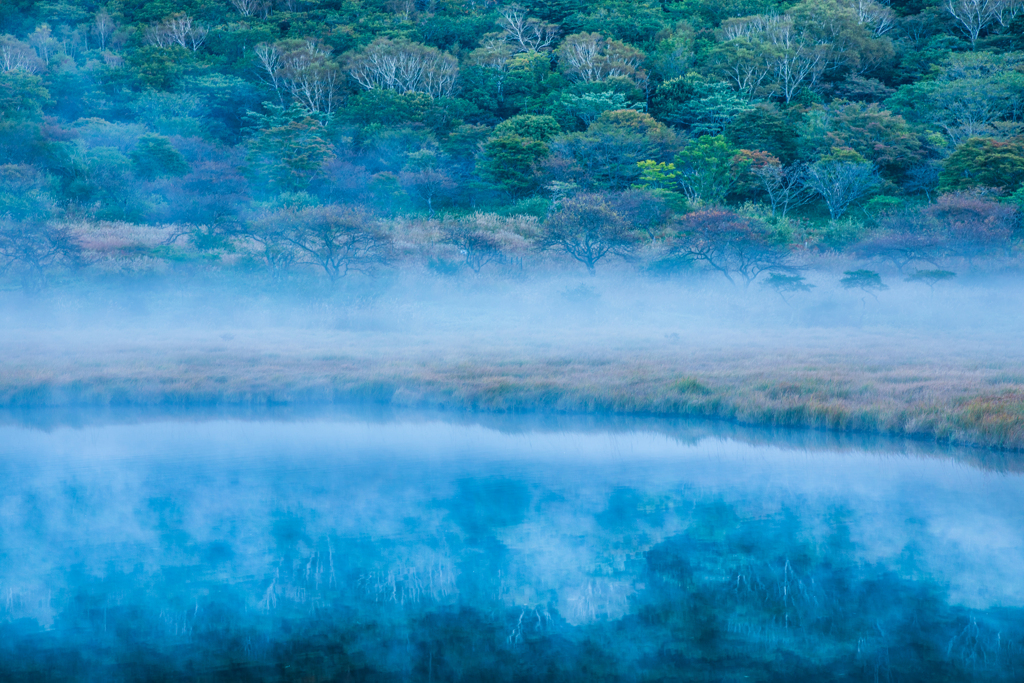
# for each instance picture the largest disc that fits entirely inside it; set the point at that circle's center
(974, 17)
(404, 67)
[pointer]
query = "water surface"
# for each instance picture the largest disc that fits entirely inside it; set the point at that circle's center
(410, 547)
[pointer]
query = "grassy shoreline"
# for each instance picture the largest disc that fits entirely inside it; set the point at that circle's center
(955, 399)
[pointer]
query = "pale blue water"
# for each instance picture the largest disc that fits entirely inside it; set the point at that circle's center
(345, 547)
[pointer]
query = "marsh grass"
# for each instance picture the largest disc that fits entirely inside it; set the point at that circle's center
(947, 394)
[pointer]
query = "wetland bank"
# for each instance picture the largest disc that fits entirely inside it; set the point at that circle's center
(947, 369)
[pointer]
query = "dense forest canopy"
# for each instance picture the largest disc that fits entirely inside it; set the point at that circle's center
(344, 133)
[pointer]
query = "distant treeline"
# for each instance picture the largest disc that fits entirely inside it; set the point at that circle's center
(733, 134)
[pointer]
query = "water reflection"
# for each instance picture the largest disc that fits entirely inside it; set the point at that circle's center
(346, 548)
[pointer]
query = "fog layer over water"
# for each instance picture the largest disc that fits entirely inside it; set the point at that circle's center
(342, 548)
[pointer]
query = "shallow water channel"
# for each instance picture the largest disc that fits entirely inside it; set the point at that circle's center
(411, 547)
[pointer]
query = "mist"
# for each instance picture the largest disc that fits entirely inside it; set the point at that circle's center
(242, 471)
(415, 337)
(429, 341)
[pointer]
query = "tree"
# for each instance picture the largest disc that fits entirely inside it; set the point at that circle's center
(764, 127)
(305, 70)
(18, 56)
(877, 135)
(495, 55)
(786, 285)
(656, 175)
(903, 238)
(24, 193)
(841, 183)
(477, 246)
(288, 148)
(780, 55)
(708, 168)
(512, 162)
(877, 17)
(252, 8)
(154, 157)
(971, 94)
(973, 17)
(867, 281)
(589, 106)
(103, 27)
(34, 247)
(542, 128)
(728, 243)
(644, 211)
(337, 240)
(588, 229)
(405, 67)
(525, 34)
(22, 98)
(931, 277)
(591, 58)
(769, 55)
(785, 186)
(43, 42)
(979, 162)
(972, 225)
(267, 232)
(427, 183)
(606, 155)
(178, 29)
(101, 183)
(212, 193)
(703, 106)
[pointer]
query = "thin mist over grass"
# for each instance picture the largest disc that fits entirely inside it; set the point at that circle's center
(938, 364)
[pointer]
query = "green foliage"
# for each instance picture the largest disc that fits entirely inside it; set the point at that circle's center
(970, 94)
(154, 157)
(607, 154)
(22, 97)
(700, 105)
(407, 107)
(225, 99)
(931, 277)
(875, 134)
(589, 106)
(981, 162)
(541, 128)
(876, 207)
(24, 193)
(288, 148)
(656, 175)
(512, 162)
(708, 168)
(865, 280)
(765, 128)
(160, 68)
(390, 108)
(786, 285)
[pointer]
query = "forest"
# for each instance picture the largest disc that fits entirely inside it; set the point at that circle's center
(742, 137)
